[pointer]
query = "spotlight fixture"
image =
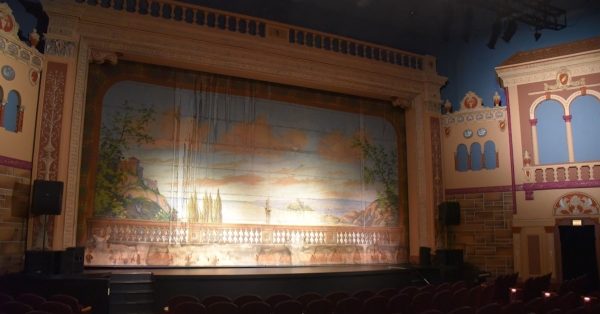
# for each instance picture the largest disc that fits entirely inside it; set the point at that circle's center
(539, 14)
(496, 29)
(537, 35)
(510, 30)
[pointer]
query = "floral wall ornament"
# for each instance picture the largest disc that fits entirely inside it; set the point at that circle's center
(447, 131)
(34, 38)
(471, 101)
(564, 80)
(497, 100)
(576, 203)
(502, 124)
(447, 107)
(34, 76)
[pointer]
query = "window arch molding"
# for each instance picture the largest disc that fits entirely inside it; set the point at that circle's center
(541, 99)
(566, 104)
(577, 94)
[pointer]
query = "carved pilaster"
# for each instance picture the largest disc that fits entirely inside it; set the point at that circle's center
(74, 162)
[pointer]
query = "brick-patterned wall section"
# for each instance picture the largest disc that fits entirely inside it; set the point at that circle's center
(15, 185)
(485, 231)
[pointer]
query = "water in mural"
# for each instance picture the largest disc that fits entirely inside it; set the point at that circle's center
(204, 177)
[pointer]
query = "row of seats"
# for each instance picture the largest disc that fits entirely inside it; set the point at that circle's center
(384, 301)
(455, 298)
(32, 303)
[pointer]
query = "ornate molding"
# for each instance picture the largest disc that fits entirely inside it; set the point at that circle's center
(60, 48)
(100, 57)
(20, 51)
(62, 26)
(475, 115)
(546, 70)
(576, 204)
(564, 80)
(74, 162)
(52, 112)
(402, 103)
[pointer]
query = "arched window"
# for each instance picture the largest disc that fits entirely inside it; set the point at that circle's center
(462, 158)
(11, 111)
(489, 153)
(552, 134)
(585, 111)
(476, 156)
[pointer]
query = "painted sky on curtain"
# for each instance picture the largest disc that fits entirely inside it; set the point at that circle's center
(222, 158)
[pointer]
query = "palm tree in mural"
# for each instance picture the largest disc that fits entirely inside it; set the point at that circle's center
(381, 167)
(127, 127)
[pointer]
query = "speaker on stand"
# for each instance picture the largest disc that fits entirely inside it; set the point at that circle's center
(449, 215)
(46, 200)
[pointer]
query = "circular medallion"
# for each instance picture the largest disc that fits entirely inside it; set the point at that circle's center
(468, 133)
(8, 73)
(481, 132)
(33, 76)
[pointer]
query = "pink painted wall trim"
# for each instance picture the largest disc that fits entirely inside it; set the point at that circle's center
(15, 163)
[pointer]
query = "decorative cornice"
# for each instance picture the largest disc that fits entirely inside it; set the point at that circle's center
(545, 70)
(475, 115)
(229, 53)
(21, 52)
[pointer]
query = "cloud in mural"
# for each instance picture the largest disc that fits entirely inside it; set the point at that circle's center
(177, 132)
(294, 180)
(259, 138)
(337, 147)
(246, 179)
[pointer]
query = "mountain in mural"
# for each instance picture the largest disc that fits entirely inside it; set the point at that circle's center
(372, 216)
(142, 198)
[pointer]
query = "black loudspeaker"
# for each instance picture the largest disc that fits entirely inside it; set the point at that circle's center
(449, 213)
(424, 256)
(47, 197)
(449, 257)
(42, 262)
(71, 261)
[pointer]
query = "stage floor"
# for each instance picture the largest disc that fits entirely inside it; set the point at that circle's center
(253, 271)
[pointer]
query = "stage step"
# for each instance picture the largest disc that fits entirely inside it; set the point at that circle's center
(132, 293)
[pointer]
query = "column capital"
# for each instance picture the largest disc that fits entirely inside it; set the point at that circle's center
(533, 122)
(567, 118)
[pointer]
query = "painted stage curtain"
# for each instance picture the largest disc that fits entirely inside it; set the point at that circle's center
(183, 168)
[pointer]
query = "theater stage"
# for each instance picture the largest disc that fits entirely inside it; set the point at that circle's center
(265, 281)
(157, 285)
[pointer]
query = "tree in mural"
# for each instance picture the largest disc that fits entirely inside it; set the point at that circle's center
(127, 127)
(381, 167)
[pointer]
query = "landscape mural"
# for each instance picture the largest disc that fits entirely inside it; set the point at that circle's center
(192, 169)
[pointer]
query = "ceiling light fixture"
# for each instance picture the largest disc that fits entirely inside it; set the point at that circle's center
(511, 29)
(496, 29)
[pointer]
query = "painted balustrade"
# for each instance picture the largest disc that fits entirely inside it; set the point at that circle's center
(571, 172)
(140, 231)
